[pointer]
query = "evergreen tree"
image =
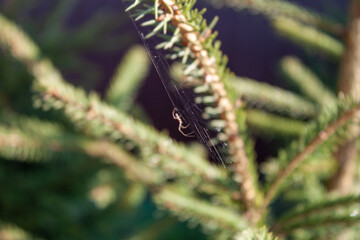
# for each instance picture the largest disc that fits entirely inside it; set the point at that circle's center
(77, 165)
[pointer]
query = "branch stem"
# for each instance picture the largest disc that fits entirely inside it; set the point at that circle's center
(349, 85)
(192, 39)
(309, 149)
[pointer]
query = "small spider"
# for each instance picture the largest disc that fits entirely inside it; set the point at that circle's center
(176, 115)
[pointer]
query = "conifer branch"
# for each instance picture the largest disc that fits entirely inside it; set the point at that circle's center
(15, 144)
(273, 125)
(275, 8)
(94, 116)
(129, 74)
(30, 125)
(307, 82)
(211, 65)
(255, 234)
(349, 85)
(211, 77)
(179, 178)
(212, 217)
(323, 135)
(274, 99)
(14, 40)
(308, 37)
(320, 221)
(318, 164)
(314, 209)
(257, 95)
(99, 119)
(136, 170)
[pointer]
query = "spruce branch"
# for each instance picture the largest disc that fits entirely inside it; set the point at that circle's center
(16, 144)
(94, 116)
(129, 74)
(308, 37)
(30, 125)
(211, 217)
(276, 8)
(274, 99)
(321, 221)
(320, 164)
(98, 119)
(135, 170)
(193, 37)
(321, 137)
(255, 234)
(14, 40)
(179, 178)
(349, 85)
(271, 125)
(307, 82)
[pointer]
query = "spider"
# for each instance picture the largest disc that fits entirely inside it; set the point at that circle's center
(176, 115)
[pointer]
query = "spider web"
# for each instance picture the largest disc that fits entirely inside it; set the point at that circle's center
(181, 99)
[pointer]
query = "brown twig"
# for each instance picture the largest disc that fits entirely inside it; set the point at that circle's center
(309, 149)
(349, 85)
(192, 39)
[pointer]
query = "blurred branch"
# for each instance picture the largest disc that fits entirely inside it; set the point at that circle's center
(308, 83)
(211, 216)
(135, 169)
(322, 136)
(349, 85)
(17, 42)
(263, 95)
(129, 74)
(320, 221)
(255, 234)
(15, 144)
(327, 206)
(308, 37)
(276, 8)
(32, 126)
(273, 125)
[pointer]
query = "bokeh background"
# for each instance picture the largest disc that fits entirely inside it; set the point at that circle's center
(98, 33)
(86, 40)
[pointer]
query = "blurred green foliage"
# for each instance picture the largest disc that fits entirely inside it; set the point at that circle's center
(74, 165)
